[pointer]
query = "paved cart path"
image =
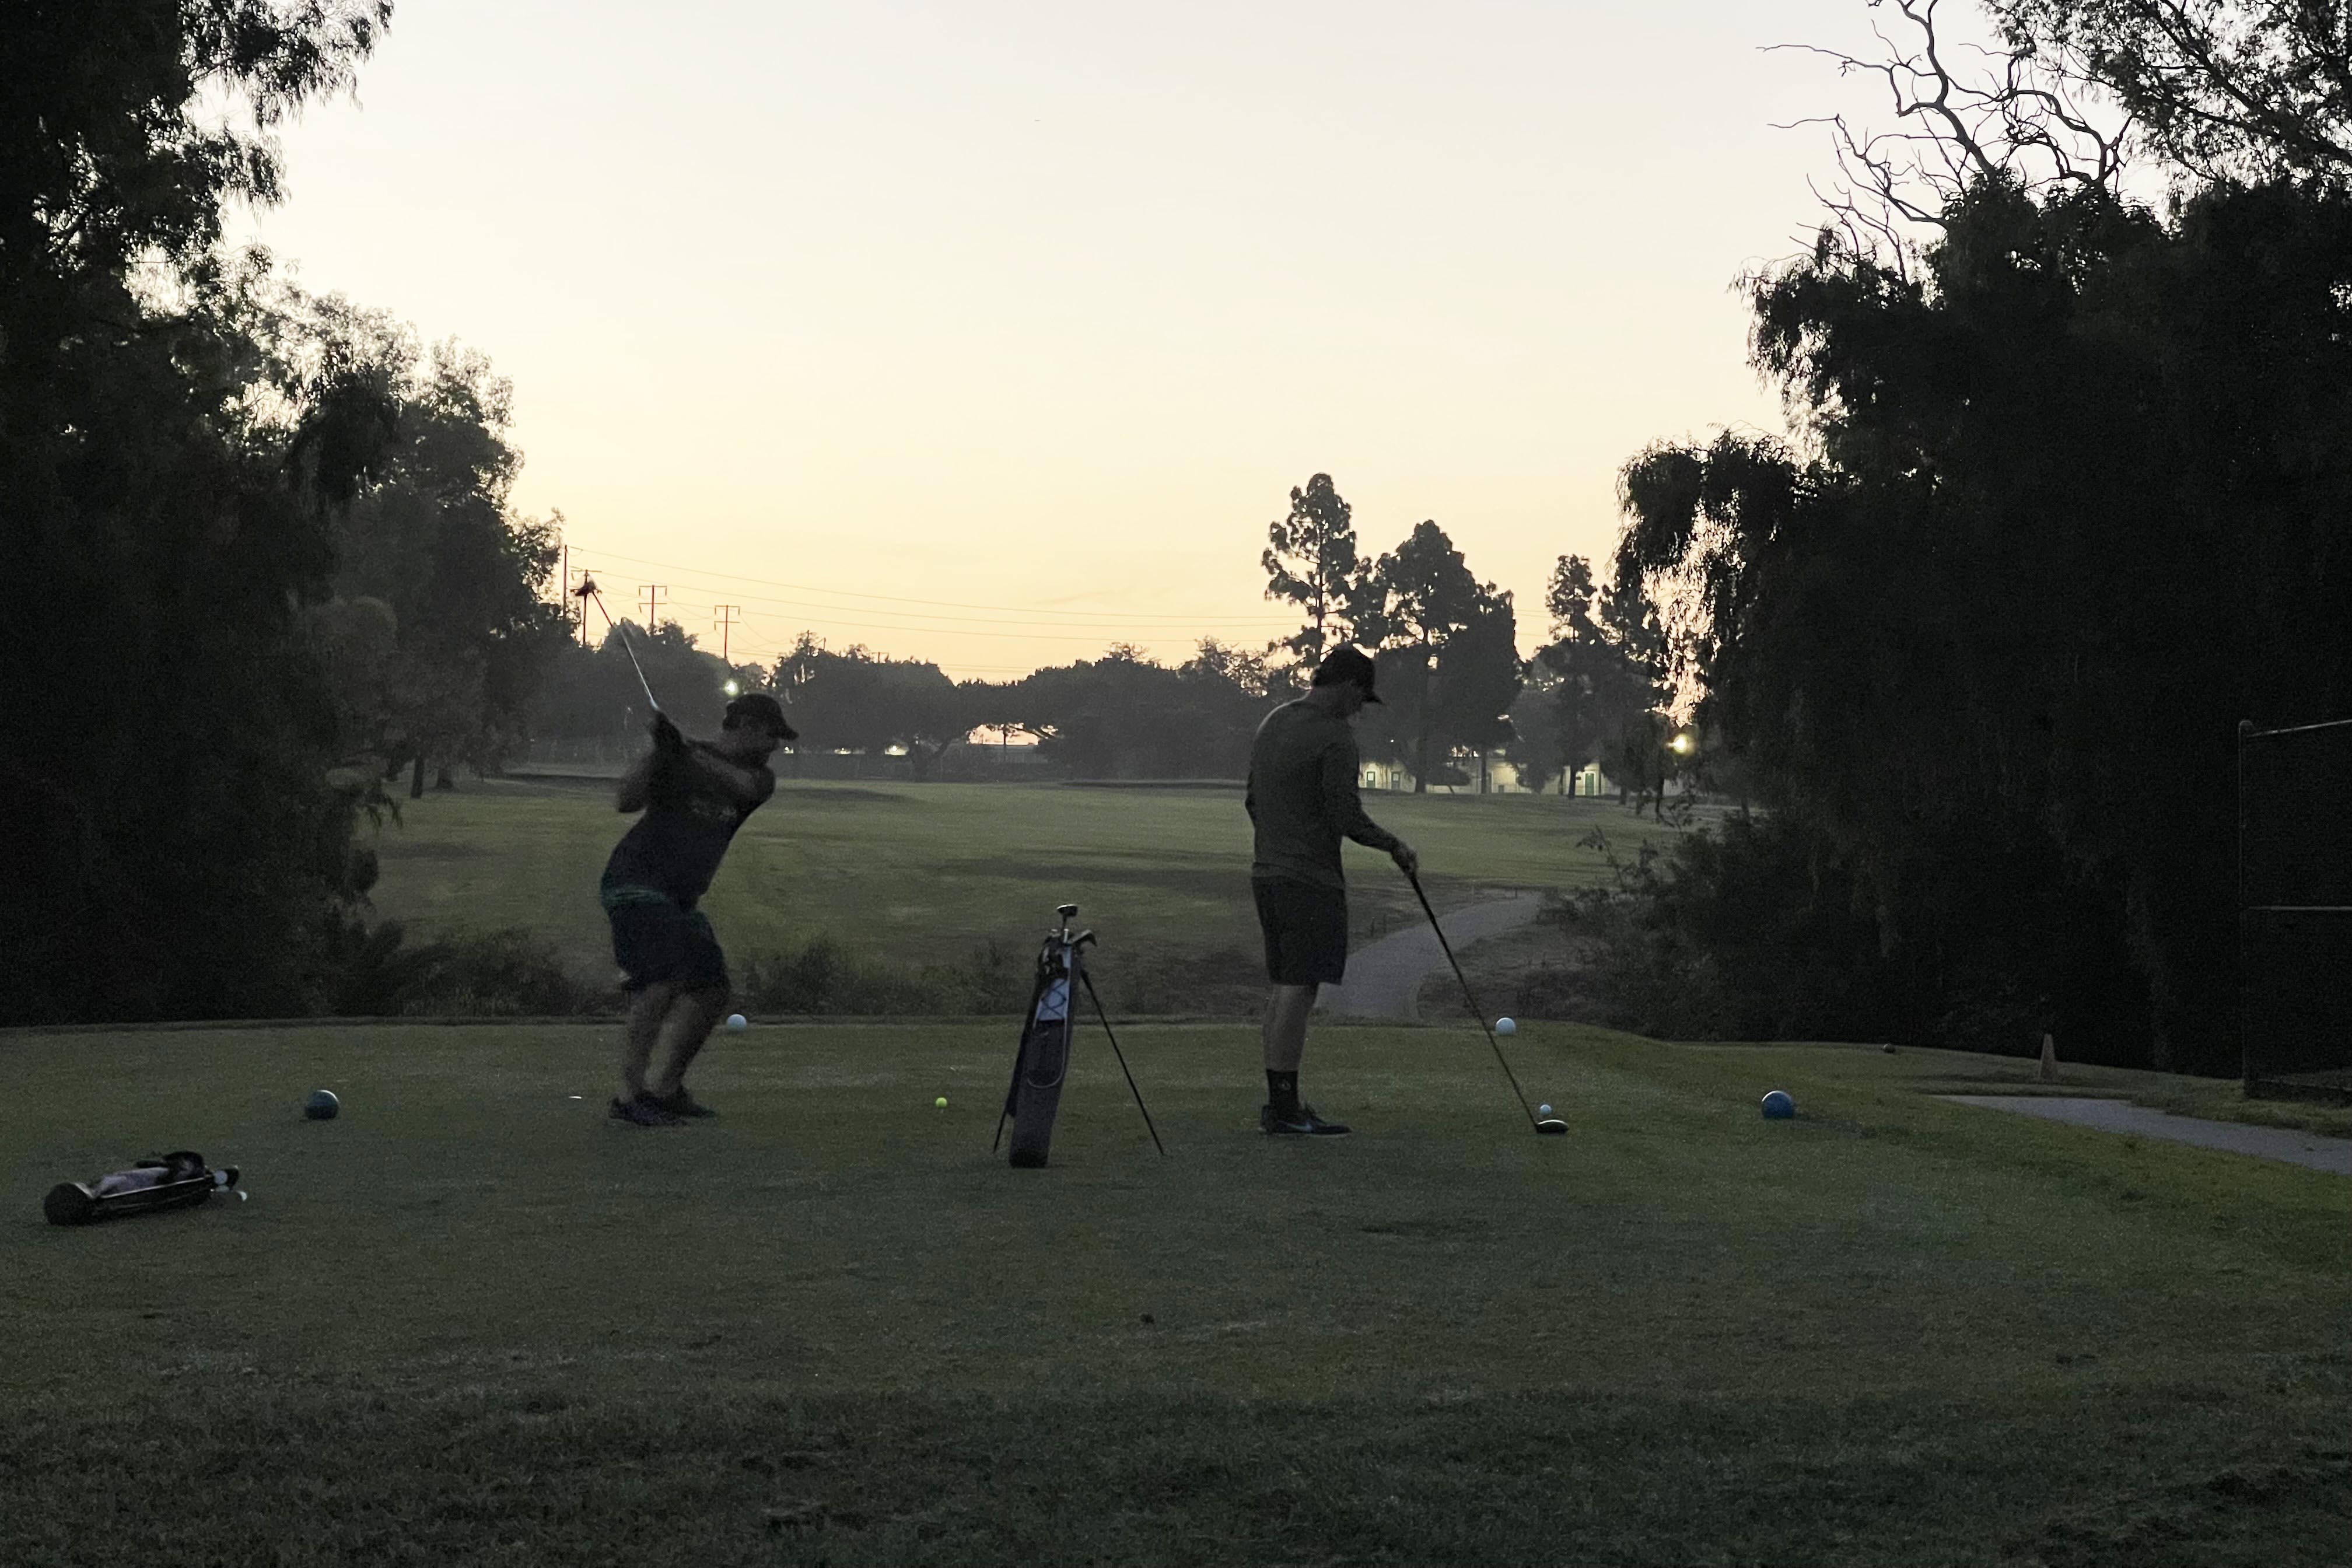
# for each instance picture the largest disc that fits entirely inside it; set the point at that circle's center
(2313, 1148)
(1384, 977)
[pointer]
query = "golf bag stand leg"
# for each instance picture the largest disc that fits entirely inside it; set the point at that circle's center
(1044, 1063)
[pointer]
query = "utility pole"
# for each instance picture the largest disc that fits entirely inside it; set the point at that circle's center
(651, 594)
(726, 615)
(575, 600)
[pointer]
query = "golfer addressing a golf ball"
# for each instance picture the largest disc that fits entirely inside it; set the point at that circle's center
(694, 795)
(1302, 801)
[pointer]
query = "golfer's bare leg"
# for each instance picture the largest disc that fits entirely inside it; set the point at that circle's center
(691, 1018)
(646, 1011)
(1284, 1030)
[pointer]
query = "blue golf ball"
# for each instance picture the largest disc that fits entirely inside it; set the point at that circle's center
(1779, 1107)
(321, 1106)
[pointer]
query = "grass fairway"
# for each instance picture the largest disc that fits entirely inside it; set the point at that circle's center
(927, 873)
(470, 1323)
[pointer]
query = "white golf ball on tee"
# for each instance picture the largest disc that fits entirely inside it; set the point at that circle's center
(738, 1022)
(1506, 1027)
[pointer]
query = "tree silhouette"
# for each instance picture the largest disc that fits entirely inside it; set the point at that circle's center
(1310, 560)
(1412, 602)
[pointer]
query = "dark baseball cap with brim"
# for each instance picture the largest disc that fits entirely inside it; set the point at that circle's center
(1346, 664)
(759, 707)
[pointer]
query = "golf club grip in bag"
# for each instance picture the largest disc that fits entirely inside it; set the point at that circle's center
(1044, 1058)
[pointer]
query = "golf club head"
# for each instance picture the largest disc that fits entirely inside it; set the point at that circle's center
(1552, 1127)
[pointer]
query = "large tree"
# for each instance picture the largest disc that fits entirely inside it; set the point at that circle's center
(430, 538)
(176, 846)
(1479, 675)
(2074, 503)
(1536, 747)
(1635, 725)
(1310, 560)
(1412, 601)
(1607, 664)
(2219, 88)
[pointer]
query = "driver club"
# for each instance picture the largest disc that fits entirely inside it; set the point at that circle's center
(1550, 1126)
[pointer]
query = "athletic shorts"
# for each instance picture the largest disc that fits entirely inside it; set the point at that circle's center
(658, 941)
(1305, 932)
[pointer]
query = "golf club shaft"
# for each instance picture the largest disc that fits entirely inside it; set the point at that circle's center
(1469, 1001)
(1148, 1127)
(627, 647)
(651, 701)
(1020, 1055)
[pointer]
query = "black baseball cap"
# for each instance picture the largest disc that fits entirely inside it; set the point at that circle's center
(1348, 664)
(759, 707)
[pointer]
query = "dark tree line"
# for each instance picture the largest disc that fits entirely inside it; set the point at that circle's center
(175, 844)
(1446, 644)
(265, 538)
(441, 625)
(1599, 691)
(2073, 496)
(590, 694)
(1124, 716)
(1450, 677)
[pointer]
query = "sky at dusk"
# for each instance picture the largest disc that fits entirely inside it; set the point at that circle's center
(994, 333)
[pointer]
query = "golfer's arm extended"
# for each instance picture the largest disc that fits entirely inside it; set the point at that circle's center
(1345, 807)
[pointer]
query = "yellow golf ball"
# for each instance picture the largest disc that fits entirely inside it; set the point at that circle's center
(942, 1103)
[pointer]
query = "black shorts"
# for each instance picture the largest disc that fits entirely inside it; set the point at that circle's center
(658, 941)
(1305, 932)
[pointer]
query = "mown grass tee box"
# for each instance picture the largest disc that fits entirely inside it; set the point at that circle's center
(468, 1321)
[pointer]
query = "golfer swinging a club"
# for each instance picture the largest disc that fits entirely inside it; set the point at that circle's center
(1302, 801)
(694, 795)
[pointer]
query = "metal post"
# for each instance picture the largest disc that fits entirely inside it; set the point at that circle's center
(2245, 948)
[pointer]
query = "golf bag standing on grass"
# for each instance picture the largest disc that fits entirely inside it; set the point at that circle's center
(1048, 1030)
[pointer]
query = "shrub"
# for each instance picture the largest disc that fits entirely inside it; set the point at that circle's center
(502, 974)
(822, 978)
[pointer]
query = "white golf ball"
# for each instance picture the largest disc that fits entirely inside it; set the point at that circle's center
(1506, 1027)
(737, 1021)
(1543, 1110)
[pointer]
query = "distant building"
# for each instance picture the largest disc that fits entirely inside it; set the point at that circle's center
(1502, 778)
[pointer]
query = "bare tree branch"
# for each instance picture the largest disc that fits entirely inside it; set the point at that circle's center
(2016, 121)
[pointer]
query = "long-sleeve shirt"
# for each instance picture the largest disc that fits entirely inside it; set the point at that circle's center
(1302, 796)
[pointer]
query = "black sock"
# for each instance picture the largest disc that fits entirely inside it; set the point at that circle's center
(1282, 1089)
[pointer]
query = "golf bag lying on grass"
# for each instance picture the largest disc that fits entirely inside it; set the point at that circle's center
(167, 1181)
(1047, 1032)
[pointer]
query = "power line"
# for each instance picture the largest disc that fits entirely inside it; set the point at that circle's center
(1046, 631)
(771, 645)
(1097, 616)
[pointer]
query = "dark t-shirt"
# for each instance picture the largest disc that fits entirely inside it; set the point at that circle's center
(1302, 796)
(690, 818)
